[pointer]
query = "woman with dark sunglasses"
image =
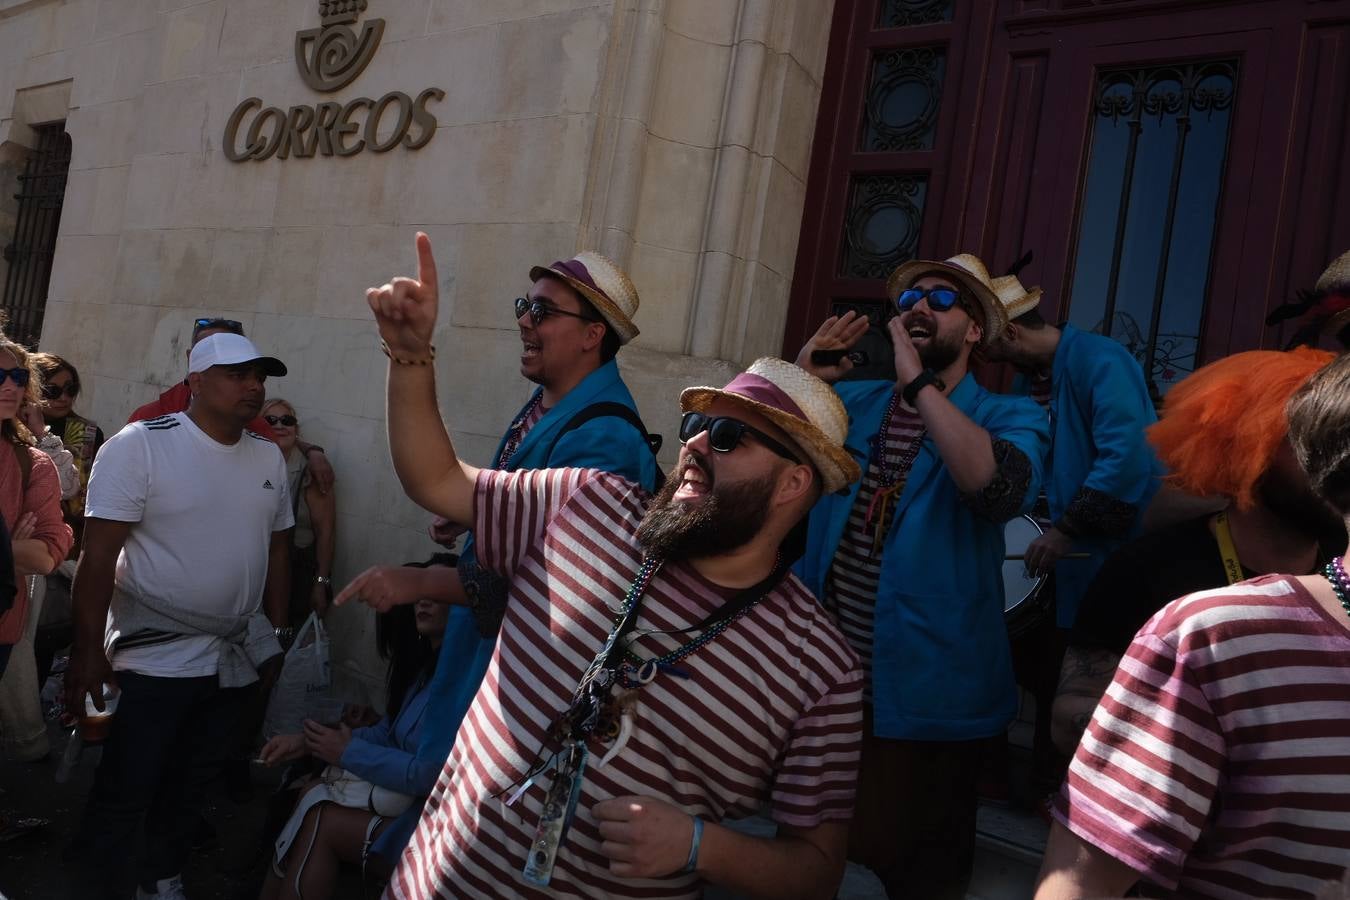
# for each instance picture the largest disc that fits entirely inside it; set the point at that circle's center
(81, 436)
(314, 538)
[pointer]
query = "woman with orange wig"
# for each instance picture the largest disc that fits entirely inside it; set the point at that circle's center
(1223, 434)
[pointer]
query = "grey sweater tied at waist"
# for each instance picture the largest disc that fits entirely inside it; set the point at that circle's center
(248, 640)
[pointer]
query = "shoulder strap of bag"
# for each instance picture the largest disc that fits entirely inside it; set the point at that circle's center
(618, 411)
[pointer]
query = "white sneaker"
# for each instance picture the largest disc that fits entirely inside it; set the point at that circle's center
(165, 889)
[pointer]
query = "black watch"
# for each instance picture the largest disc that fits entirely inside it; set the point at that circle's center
(910, 392)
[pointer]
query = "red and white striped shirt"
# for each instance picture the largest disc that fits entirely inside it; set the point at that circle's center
(771, 713)
(1218, 762)
(851, 592)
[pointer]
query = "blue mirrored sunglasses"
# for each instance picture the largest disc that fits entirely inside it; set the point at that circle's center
(20, 376)
(940, 299)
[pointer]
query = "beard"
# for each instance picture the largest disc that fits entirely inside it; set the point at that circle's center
(941, 351)
(724, 519)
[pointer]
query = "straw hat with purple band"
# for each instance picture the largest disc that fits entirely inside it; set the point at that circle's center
(965, 269)
(1015, 299)
(601, 282)
(799, 403)
(227, 349)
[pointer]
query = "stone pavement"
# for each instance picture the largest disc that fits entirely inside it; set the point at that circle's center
(32, 867)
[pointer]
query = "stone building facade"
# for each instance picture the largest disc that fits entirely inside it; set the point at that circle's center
(672, 135)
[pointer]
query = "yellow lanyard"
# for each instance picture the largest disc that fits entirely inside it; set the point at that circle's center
(1232, 569)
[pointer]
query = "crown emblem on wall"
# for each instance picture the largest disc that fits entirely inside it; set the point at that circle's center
(330, 57)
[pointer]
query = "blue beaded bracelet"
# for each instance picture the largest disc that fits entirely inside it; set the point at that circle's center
(691, 865)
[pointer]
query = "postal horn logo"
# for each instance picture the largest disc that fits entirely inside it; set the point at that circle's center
(331, 56)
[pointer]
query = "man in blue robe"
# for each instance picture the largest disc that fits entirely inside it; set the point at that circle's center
(576, 316)
(909, 563)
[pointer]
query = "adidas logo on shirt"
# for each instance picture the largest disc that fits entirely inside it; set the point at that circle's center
(267, 485)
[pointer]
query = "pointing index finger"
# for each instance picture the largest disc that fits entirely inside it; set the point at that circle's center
(426, 263)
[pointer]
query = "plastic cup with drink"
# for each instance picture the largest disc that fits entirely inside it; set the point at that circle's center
(94, 725)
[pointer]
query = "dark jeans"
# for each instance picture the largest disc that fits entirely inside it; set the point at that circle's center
(914, 821)
(168, 738)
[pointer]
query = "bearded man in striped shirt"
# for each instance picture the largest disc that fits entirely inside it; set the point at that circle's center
(1218, 762)
(658, 670)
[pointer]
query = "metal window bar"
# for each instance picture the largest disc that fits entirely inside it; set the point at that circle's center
(42, 188)
(1149, 97)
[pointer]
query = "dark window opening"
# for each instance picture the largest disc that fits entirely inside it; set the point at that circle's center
(29, 255)
(1147, 221)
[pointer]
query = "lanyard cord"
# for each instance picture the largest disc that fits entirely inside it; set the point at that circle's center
(1232, 568)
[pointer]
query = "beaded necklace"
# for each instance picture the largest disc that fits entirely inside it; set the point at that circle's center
(517, 428)
(892, 478)
(1340, 584)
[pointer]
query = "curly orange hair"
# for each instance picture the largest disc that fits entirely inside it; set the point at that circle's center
(1221, 426)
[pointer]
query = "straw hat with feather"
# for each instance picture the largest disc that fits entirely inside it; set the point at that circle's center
(804, 407)
(603, 283)
(966, 270)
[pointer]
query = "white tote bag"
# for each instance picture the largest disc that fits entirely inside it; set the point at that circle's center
(303, 687)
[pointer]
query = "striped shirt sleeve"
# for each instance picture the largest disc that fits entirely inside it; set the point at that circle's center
(513, 509)
(1145, 776)
(815, 780)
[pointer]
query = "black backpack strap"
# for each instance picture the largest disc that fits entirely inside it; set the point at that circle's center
(618, 411)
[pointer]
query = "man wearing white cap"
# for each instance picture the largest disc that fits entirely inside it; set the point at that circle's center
(658, 669)
(909, 564)
(185, 547)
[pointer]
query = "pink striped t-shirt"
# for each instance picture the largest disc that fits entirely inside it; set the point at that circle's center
(1218, 762)
(770, 714)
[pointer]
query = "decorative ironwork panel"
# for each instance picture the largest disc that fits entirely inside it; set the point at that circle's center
(1148, 216)
(42, 189)
(881, 227)
(899, 13)
(904, 94)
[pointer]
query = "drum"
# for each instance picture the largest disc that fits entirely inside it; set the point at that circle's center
(1022, 607)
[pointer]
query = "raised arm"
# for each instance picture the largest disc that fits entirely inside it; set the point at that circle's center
(432, 475)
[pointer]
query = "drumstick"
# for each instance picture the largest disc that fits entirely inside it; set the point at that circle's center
(1065, 556)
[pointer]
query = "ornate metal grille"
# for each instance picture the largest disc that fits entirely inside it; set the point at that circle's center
(881, 228)
(904, 94)
(1146, 228)
(42, 187)
(899, 13)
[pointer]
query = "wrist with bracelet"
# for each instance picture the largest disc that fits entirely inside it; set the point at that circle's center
(407, 361)
(691, 864)
(910, 392)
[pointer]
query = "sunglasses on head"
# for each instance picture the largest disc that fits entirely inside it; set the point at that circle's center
(20, 376)
(725, 433)
(539, 311)
(200, 325)
(288, 421)
(53, 391)
(940, 299)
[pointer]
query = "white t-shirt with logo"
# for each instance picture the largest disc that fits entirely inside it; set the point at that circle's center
(204, 514)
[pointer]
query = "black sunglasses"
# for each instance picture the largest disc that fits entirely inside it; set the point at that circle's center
(52, 391)
(539, 311)
(230, 325)
(940, 299)
(725, 433)
(20, 376)
(288, 421)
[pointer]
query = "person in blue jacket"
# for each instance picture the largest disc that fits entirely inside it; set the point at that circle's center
(399, 753)
(1101, 472)
(578, 314)
(910, 560)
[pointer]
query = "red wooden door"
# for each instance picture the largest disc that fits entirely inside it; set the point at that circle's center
(1019, 150)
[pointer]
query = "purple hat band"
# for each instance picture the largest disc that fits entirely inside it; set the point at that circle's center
(574, 269)
(762, 390)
